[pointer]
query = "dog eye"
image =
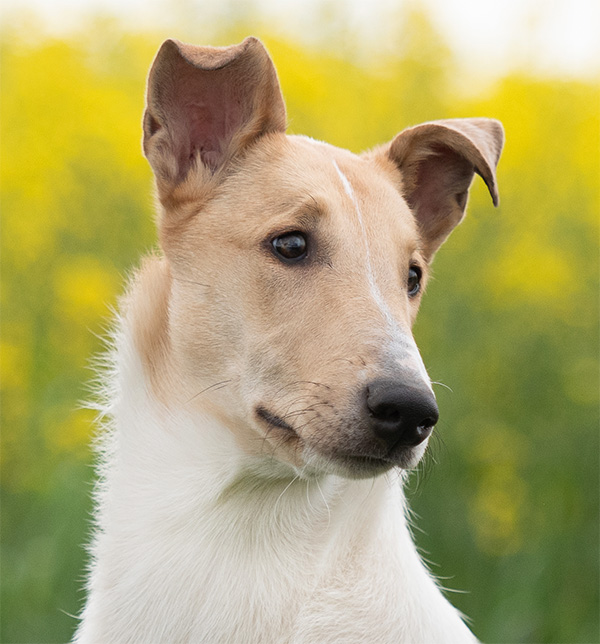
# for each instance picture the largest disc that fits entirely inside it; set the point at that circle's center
(291, 247)
(414, 280)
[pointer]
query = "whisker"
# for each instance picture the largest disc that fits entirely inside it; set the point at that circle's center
(424, 469)
(325, 502)
(297, 400)
(216, 387)
(285, 489)
(300, 412)
(296, 383)
(180, 279)
(348, 360)
(441, 384)
(310, 505)
(311, 382)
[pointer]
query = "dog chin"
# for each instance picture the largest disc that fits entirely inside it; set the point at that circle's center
(362, 467)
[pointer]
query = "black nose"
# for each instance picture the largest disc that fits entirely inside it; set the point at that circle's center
(400, 414)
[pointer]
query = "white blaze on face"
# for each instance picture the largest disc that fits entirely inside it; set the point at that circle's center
(403, 345)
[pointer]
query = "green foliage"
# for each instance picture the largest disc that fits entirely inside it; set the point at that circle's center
(509, 323)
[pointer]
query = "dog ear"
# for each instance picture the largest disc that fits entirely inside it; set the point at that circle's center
(437, 161)
(205, 105)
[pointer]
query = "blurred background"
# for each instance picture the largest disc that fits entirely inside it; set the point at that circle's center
(508, 497)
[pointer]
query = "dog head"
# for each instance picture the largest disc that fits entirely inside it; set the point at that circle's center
(293, 270)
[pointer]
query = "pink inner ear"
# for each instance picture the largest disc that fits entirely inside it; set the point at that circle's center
(207, 133)
(206, 104)
(431, 189)
(207, 119)
(442, 182)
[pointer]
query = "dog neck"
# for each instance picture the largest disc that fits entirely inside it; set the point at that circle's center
(191, 452)
(183, 509)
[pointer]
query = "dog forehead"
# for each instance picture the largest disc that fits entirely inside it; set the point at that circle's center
(361, 191)
(292, 169)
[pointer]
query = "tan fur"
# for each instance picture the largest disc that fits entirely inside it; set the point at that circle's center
(147, 306)
(207, 314)
(252, 391)
(230, 311)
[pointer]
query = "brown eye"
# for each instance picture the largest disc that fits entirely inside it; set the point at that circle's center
(291, 247)
(414, 280)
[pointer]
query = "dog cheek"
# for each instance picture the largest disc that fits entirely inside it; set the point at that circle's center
(206, 337)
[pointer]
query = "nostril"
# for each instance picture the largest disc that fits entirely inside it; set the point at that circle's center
(387, 412)
(418, 436)
(428, 422)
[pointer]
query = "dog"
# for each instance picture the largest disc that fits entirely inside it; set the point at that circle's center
(265, 397)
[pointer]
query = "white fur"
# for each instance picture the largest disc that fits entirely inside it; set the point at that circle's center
(195, 543)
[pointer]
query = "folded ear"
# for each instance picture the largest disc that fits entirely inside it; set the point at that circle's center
(437, 162)
(205, 105)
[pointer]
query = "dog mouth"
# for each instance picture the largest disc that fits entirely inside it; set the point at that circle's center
(403, 457)
(273, 420)
(359, 467)
(352, 464)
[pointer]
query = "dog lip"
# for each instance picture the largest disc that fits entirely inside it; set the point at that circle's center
(364, 466)
(367, 460)
(270, 418)
(399, 457)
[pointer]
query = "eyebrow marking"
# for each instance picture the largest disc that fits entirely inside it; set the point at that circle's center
(375, 291)
(398, 337)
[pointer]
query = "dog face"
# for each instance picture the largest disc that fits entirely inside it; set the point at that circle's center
(293, 270)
